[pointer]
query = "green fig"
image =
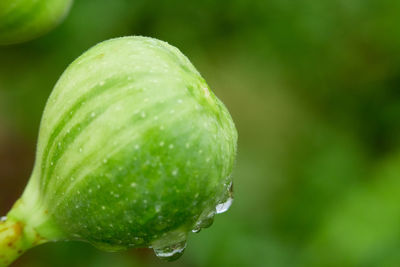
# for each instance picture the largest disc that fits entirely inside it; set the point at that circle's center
(134, 150)
(24, 20)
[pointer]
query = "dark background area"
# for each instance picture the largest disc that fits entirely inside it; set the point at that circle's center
(314, 90)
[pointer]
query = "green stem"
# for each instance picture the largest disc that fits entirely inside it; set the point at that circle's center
(15, 239)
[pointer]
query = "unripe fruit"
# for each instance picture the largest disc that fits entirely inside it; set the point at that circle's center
(23, 20)
(134, 150)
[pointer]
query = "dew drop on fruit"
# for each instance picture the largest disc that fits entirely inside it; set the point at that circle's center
(223, 207)
(170, 252)
(171, 245)
(205, 220)
(226, 202)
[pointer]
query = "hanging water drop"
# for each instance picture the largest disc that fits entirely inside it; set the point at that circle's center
(171, 245)
(170, 252)
(227, 201)
(205, 220)
(223, 207)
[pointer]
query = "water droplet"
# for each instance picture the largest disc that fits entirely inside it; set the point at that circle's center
(222, 207)
(171, 245)
(227, 200)
(205, 220)
(172, 252)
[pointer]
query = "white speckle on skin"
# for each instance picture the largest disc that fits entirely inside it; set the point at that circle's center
(180, 101)
(172, 111)
(155, 118)
(161, 143)
(206, 91)
(136, 147)
(93, 114)
(187, 145)
(103, 207)
(162, 127)
(101, 83)
(133, 184)
(174, 172)
(143, 114)
(171, 146)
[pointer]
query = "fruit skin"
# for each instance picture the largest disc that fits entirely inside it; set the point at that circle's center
(133, 148)
(24, 20)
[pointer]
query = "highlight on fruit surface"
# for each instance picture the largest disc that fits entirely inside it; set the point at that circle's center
(24, 20)
(134, 150)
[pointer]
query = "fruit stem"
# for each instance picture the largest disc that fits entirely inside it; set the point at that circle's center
(15, 239)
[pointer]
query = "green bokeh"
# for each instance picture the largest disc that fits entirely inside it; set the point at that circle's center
(314, 89)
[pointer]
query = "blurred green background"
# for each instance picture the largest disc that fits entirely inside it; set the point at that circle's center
(314, 89)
